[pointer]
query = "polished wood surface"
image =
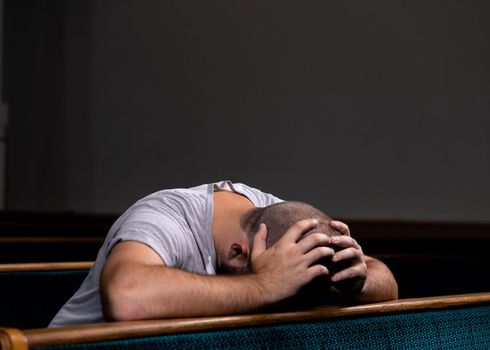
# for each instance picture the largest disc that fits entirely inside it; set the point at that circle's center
(12, 339)
(48, 266)
(120, 330)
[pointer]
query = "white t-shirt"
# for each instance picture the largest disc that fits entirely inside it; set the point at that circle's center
(176, 224)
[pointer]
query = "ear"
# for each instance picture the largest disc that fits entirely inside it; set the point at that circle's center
(235, 250)
(238, 249)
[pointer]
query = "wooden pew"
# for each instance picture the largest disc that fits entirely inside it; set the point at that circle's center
(48, 237)
(429, 258)
(32, 293)
(458, 321)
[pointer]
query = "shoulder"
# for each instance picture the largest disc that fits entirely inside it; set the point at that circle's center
(258, 197)
(172, 201)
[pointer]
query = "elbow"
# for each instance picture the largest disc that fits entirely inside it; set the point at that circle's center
(391, 287)
(116, 309)
(119, 302)
(388, 292)
(394, 294)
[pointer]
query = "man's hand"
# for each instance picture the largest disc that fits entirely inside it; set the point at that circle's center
(350, 280)
(290, 263)
(365, 279)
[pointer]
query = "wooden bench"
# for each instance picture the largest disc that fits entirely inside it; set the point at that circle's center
(32, 293)
(48, 237)
(430, 259)
(458, 321)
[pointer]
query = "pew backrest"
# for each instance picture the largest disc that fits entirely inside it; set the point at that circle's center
(32, 293)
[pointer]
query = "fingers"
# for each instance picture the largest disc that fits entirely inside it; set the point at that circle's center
(344, 242)
(340, 226)
(350, 251)
(294, 233)
(259, 242)
(356, 271)
(315, 271)
(347, 254)
(312, 241)
(318, 253)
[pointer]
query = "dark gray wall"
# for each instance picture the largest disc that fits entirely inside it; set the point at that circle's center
(375, 109)
(3, 120)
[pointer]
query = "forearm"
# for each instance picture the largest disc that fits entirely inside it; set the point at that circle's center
(144, 292)
(136, 284)
(380, 284)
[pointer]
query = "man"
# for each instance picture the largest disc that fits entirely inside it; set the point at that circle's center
(187, 252)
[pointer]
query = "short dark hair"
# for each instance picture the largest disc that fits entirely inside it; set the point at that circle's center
(280, 217)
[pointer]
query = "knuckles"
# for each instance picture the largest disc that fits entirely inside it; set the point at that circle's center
(318, 238)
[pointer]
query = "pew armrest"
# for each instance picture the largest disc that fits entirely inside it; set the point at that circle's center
(12, 338)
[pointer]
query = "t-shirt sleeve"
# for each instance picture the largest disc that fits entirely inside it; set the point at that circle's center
(157, 230)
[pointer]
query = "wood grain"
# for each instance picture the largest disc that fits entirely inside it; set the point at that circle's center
(12, 339)
(48, 266)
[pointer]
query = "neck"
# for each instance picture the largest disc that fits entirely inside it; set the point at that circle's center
(229, 208)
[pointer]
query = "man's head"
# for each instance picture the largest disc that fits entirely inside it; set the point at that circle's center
(281, 216)
(278, 218)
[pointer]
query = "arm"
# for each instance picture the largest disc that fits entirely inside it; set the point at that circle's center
(367, 279)
(136, 283)
(380, 283)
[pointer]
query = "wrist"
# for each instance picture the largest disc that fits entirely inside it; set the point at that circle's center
(262, 287)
